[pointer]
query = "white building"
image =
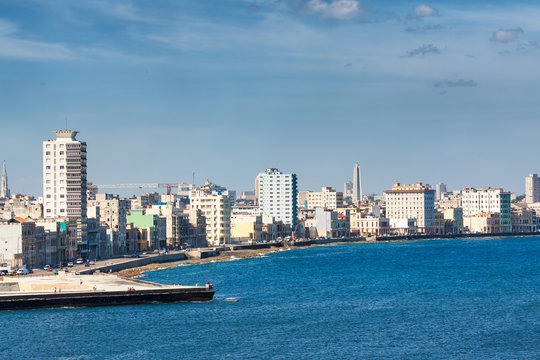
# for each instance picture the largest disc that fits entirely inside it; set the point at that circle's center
(4, 188)
(480, 201)
(327, 198)
(216, 208)
(357, 184)
(64, 183)
(532, 189)
(411, 202)
(277, 195)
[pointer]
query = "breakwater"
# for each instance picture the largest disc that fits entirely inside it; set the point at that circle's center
(103, 298)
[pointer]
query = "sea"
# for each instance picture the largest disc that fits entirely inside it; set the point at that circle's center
(436, 299)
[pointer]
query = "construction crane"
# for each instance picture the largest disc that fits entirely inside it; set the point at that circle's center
(169, 186)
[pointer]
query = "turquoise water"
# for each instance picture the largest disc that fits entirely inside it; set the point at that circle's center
(440, 299)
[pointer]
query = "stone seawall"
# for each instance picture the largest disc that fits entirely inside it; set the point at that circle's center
(136, 262)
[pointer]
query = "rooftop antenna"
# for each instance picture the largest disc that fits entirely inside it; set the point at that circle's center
(194, 178)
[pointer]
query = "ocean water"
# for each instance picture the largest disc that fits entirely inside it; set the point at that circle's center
(439, 299)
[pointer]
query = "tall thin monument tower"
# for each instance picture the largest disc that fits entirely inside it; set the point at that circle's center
(4, 189)
(357, 184)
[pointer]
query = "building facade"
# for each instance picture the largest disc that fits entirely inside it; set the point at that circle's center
(64, 185)
(496, 200)
(412, 202)
(215, 206)
(532, 189)
(327, 198)
(277, 195)
(357, 184)
(4, 189)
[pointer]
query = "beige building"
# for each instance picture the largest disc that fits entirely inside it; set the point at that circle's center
(523, 220)
(246, 227)
(327, 198)
(412, 202)
(370, 225)
(216, 208)
(488, 223)
(113, 212)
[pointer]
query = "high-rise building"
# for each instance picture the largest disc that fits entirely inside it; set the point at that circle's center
(215, 205)
(440, 189)
(357, 184)
(485, 201)
(532, 189)
(4, 189)
(277, 194)
(64, 185)
(411, 202)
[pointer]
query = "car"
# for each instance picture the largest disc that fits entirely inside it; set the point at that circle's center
(80, 261)
(70, 264)
(22, 271)
(3, 272)
(47, 268)
(92, 262)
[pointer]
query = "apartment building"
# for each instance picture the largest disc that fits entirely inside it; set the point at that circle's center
(532, 189)
(412, 202)
(489, 200)
(215, 206)
(64, 186)
(327, 198)
(277, 195)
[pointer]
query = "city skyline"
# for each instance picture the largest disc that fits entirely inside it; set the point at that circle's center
(429, 92)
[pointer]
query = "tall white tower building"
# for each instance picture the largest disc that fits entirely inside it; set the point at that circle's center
(4, 189)
(277, 194)
(357, 184)
(532, 189)
(64, 184)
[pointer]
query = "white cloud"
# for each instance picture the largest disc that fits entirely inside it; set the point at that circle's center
(424, 10)
(16, 48)
(334, 10)
(506, 35)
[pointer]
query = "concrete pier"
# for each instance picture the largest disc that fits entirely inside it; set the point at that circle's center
(69, 290)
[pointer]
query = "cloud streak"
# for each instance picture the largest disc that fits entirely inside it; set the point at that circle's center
(333, 10)
(459, 83)
(424, 10)
(424, 50)
(506, 35)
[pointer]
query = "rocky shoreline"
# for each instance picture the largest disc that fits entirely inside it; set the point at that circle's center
(230, 255)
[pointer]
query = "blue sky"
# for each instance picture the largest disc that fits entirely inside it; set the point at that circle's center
(436, 91)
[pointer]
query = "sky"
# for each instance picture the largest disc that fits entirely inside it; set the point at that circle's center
(441, 91)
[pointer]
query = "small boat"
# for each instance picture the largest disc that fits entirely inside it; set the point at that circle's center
(231, 300)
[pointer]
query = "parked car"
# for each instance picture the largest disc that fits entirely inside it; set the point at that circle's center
(80, 261)
(70, 264)
(92, 262)
(47, 268)
(22, 271)
(3, 272)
